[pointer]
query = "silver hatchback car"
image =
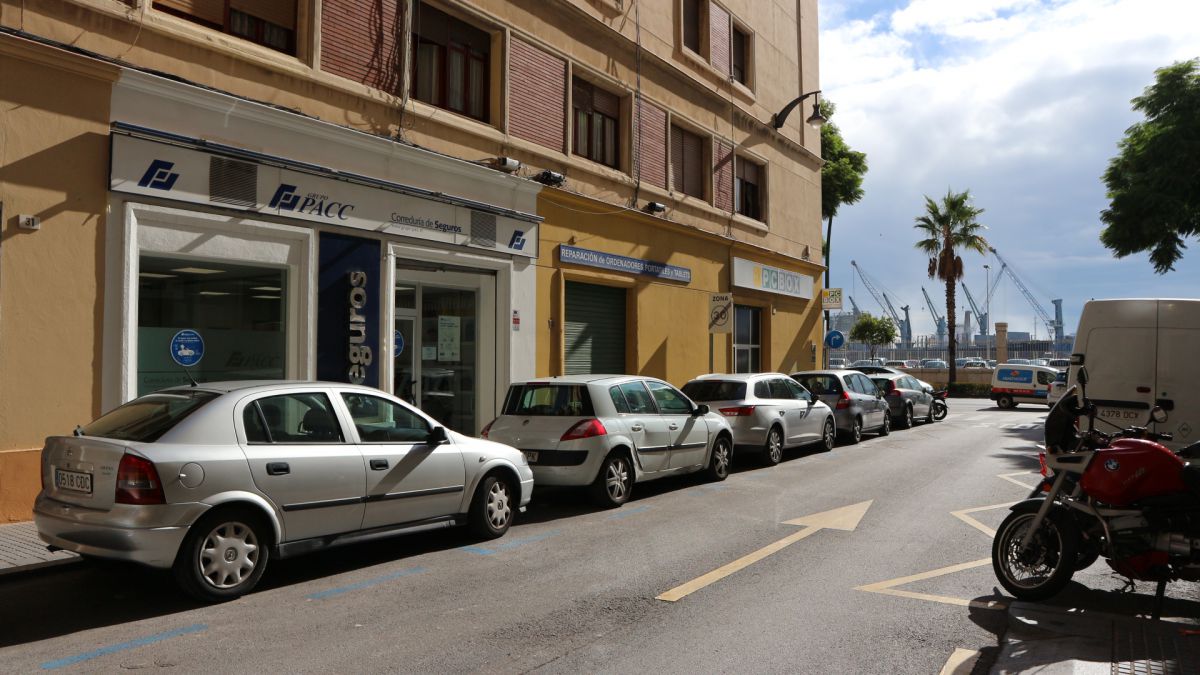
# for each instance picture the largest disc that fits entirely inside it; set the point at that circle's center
(610, 431)
(213, 481)
(768, 412)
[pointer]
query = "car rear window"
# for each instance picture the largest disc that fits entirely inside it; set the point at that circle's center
(146, 419)
(553, 400)
(820, 384)
(715, 390)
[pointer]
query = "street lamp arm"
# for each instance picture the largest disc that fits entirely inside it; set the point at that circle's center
(816, 119)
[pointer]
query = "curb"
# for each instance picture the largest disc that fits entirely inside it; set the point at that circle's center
(18, 570)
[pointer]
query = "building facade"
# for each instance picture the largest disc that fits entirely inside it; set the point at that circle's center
(435, 198)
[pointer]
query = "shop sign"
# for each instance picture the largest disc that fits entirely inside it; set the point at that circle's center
(187, 348)
(749, 274)
(148, 167)
(831, 298)
(348, 309)
(620, 263)
(358, 353)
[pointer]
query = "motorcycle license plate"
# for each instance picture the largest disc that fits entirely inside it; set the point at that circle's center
(1118, 414)
(74, 481)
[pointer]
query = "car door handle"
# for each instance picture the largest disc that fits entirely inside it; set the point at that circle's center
(278, 468)
(379, 464)
(672, 426)
(636, 427)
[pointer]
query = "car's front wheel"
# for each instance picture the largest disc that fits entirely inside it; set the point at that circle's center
(492, 508)
(886, 427)
(828, 435)
(614, 483)
(223, 555)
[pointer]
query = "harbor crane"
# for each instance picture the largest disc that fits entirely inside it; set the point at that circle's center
(937, 318)
(1053, 326)
(885, 303)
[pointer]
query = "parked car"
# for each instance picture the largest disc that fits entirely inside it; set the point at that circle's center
(867, 362)
(837, 363)
(216, 479)
(1057, 388)
(876, 370)
(935, 364)
(975, 363)
(897, 364)
(767, 412)
(1061, 364)
(906, 399)
(1018, 362)
(607, 432)
(1013, 384)
(856, 402)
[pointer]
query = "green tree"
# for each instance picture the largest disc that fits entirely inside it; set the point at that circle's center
(948, 227)
(1153, 184)
(841, 177)
(874, 331)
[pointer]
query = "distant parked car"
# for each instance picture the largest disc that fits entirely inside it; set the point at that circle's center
(867, 362)
(1061, 364)
(906, 398)
(975, 363)
(1018, 362)
(837, 363)
(856, 402)
(768, 412)
(935, 364)
(217, 479)
(897, 364)
(608, 432)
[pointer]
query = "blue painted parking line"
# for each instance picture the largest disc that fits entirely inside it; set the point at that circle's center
(132, 644)
(508, 544)
(365, 584)
(707, 489)
(631, 511)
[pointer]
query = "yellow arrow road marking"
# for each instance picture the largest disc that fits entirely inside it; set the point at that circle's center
(845, 518)
(888, 587)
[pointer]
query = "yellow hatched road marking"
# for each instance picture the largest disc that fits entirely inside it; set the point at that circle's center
(888, 587)
(961, 662)
(962, 515)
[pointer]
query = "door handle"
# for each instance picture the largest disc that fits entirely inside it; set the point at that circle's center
(379, 464)
(278, 468)
(672, 426)
(636, 427)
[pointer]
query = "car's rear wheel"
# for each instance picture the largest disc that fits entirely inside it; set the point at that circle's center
(854, 435)
(906, 422)
(1005, 402)
(492, 508)
(722, 457)
(223, 555)
(614, 484)
(773, 450)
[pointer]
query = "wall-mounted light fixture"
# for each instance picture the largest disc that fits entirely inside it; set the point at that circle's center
(815, 120)
(506, 164)
(654, 207)
(551, 178)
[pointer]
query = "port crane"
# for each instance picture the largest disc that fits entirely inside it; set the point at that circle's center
(937, 318)
(1053, 326)
(885, 303)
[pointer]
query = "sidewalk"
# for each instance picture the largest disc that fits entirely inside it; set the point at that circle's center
(21, 550)
(1054, 641)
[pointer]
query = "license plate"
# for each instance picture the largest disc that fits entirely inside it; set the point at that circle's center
(531, 456)
(75, 481)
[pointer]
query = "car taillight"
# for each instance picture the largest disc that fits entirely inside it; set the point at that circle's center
(486, 428)
(584, 429)
(740, 411)
(137, 482)
(843, 400)
(892, 390)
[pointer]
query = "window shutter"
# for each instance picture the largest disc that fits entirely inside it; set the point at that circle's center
(652, 144)
(723, 176)
(677, 159)
(538, 89)
(278, 12)
(693, 165)
(718, 37)
(606, 103)
(212, 11)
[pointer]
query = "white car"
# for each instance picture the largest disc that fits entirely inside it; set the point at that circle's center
(768, 412)
(609, 432)
(1057, 388)
(214, 480)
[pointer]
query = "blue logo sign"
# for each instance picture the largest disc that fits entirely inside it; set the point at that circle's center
(834, 339)
(287, 199)
(159, 176)
(187, 348)
(398, 346)
(518, 240)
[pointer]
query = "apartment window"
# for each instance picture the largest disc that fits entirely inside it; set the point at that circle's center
(693, 16)
(451, 68)
(597, 115)
(740, 58)
(747, 339)
(687, 162)
(271, 23)
(747, 188)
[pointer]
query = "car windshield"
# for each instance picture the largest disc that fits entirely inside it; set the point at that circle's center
(146, 419)
(715, 390)
(557, 400)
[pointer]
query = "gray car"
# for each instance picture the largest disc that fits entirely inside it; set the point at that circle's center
(214, 480)
(907, 398)
(768, 412)
(857, 404)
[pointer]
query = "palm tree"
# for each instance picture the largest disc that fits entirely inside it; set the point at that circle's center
(947, 227)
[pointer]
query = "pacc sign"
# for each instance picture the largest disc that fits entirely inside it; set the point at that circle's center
(359, 353)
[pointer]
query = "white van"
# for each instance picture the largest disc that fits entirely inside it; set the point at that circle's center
(1140, 353)
(1014, 383)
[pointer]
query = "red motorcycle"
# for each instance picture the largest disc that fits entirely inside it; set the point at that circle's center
(1123, 496)
(940, 409)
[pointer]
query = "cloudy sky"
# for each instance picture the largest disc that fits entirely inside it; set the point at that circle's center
(1020, 101)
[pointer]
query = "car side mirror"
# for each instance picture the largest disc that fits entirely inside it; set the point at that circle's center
(700, 410)
(437, 436)
(1158, 414)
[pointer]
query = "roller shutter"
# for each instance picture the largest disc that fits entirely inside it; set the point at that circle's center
(594, 331)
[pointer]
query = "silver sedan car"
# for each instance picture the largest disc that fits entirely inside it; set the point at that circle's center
(214, 480)
(768, 412)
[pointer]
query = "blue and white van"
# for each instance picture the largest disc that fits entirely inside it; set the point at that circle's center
(1013, 384)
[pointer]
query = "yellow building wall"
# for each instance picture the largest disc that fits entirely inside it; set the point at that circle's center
(53, 164)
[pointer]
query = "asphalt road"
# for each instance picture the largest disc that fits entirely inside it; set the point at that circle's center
(573, 589)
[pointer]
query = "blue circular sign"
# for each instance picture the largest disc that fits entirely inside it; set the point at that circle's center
(187, 348)
(834, 339)
(398, 347)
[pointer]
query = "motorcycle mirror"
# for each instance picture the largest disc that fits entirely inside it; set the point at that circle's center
(1158, 414)
(1082, 376)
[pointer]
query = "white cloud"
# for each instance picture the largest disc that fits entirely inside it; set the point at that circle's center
(1023, 102)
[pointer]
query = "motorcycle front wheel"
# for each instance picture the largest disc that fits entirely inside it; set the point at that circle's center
(939, 411)
(1045, 567)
